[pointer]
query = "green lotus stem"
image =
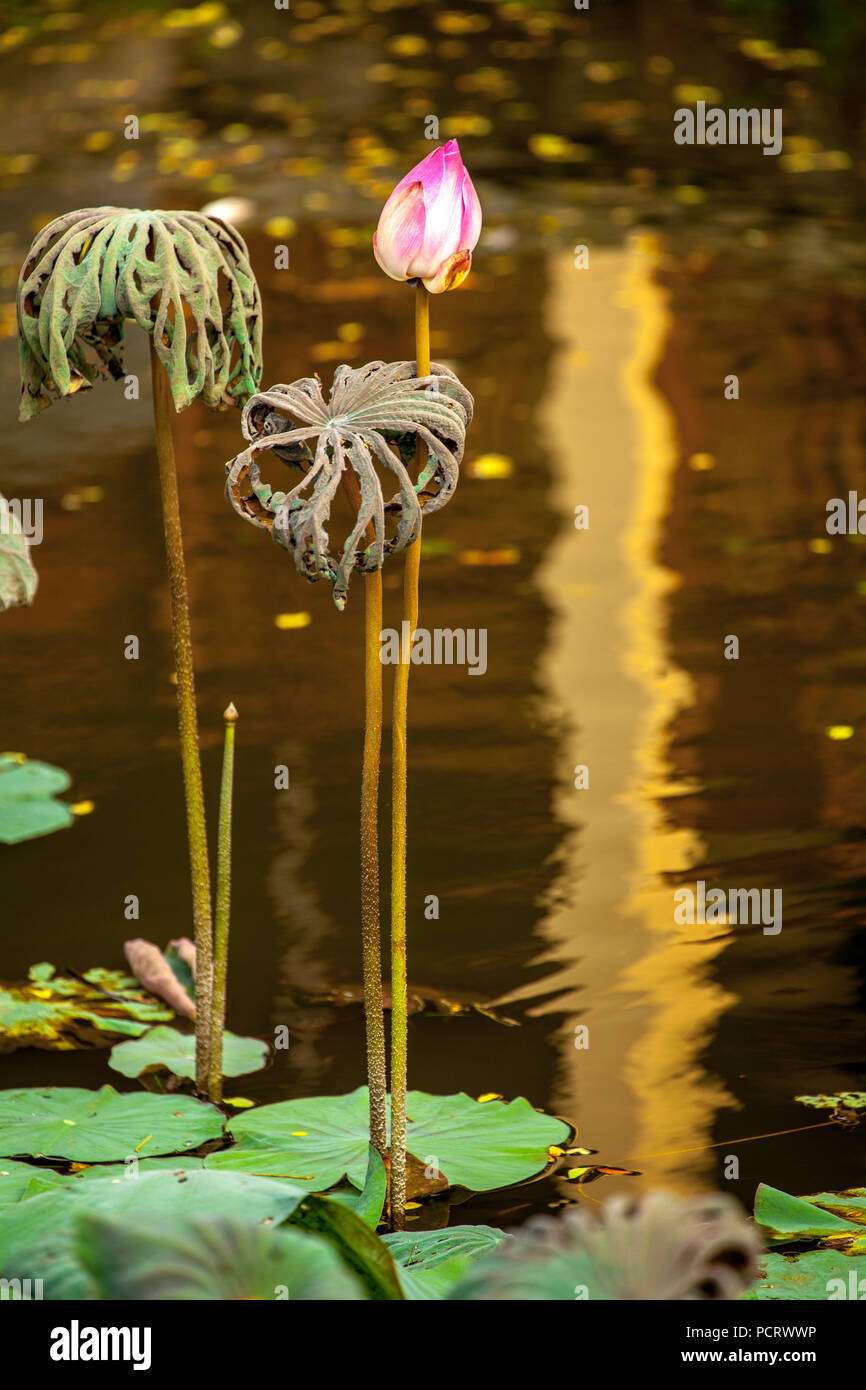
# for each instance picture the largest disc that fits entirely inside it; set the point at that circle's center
(163, 410)
(399, 1011)
(223, 907)
(371, 936)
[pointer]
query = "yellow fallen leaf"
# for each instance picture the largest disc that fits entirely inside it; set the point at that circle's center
(287, 622)
(839, 731)
(143, 1142)
(299, 1133)
(509, 556)
(491, 466)
(489, 1095)
(237, 1102)
(82, 808)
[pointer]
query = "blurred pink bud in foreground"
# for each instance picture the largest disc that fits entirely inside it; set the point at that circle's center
(431, 223)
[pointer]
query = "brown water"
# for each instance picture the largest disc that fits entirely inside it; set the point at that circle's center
(605, 647)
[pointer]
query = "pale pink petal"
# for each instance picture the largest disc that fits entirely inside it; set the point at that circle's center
(470, 229)
(400, 232)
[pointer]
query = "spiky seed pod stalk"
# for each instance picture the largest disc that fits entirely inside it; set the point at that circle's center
(186, 280)
(163, 410)
(371, 932)
(223, 907)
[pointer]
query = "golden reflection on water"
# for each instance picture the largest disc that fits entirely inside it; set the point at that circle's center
(618, 962)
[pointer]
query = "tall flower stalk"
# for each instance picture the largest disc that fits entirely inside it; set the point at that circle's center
(399, 755)
(223, 907)
(185, 279)
(374, 414)
(427, 232)
(371, 931)
(163, 410)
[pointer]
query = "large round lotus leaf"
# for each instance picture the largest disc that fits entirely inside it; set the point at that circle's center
(27, 804)
(429, 1263)
(224, 1259)
(784, 1218)
(815, 1274)
(57, 1011)
(476, 1145)
(17, 1180)
(92, 1126)
(167, 1049)
(38, 1236)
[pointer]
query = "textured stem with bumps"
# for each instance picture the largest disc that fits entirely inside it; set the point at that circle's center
(223, 907)
(371, 938)
(399, 1010)
(163, 411)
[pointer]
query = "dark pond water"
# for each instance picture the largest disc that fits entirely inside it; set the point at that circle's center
(603, 388)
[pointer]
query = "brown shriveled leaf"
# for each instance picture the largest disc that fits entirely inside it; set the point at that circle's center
(150, 967)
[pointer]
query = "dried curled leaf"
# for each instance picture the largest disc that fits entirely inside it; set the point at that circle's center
(183, 277)
(373, 413)
(655, 1247)
(18, 578)
(150, 968)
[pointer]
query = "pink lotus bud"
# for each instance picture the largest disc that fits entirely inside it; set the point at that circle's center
(431, 223)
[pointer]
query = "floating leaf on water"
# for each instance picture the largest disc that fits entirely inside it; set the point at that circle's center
(834, 1222)
(167, 1049)
(94, 1126)
(849, 1100)
(230, 1258)
(28, 807)
(430, 1263)
(592, 1173)
(489, 466)
(39, 1236)
(58, 1011)
(480, 1147)
(289, 622)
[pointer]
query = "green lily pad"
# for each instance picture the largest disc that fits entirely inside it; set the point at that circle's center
(27, 805)
(358, 1247)
(835, 1222)
(844, 1100)
(57, 1011)
(814, 1274)
(18, 578)
(168, 1050)
(369, 1203)
(17, 1180)
(784, 1219)
(220, 1260)
(91, 1126)
(430, 1263)
(38, 1237)
(477, 1145)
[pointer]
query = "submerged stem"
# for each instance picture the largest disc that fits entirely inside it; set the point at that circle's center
(223, 905)
(399, 1011)
(163, 411)
(371, 938)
